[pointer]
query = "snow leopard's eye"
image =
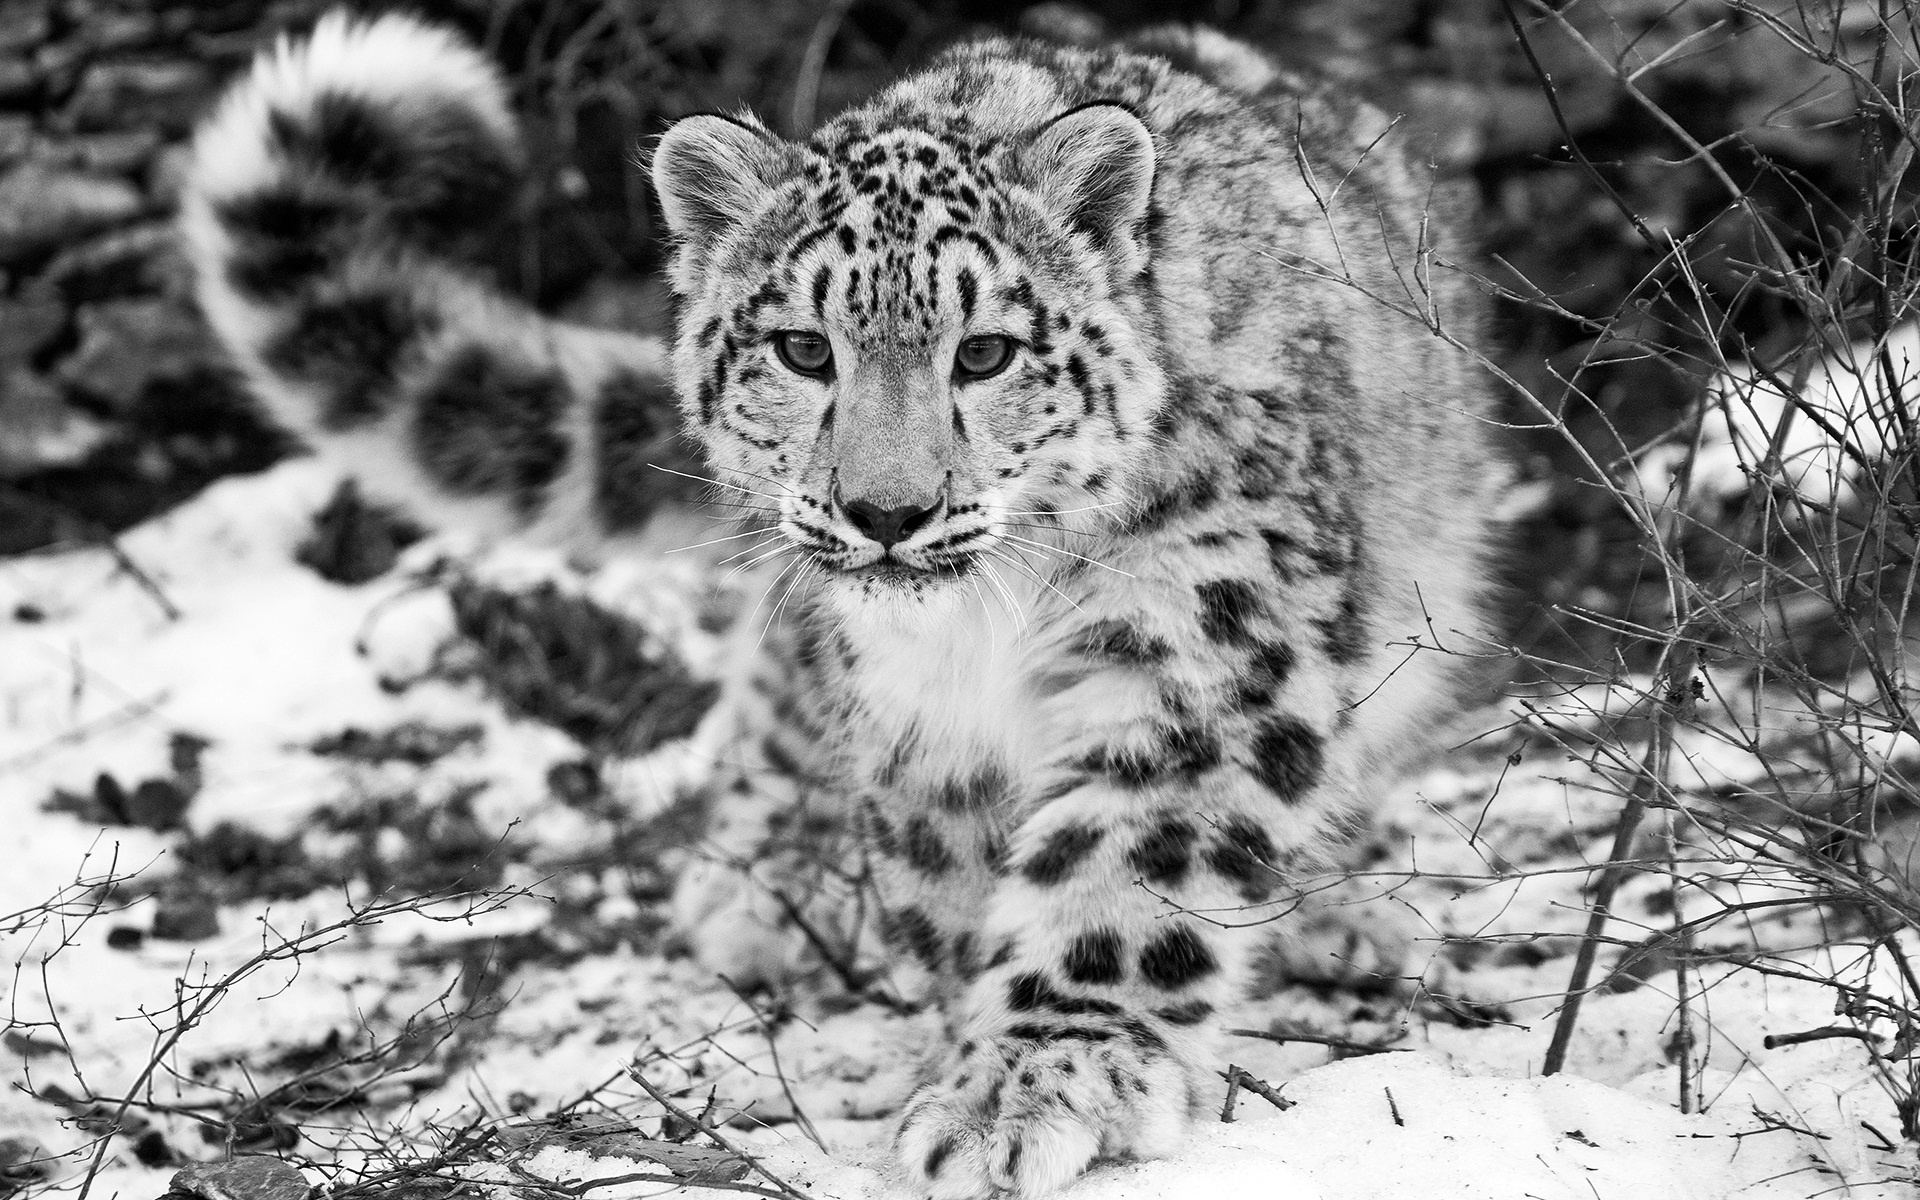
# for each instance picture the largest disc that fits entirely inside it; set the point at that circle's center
(982, 357)
(804, 351)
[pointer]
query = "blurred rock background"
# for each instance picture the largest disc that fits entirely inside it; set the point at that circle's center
(114, 403)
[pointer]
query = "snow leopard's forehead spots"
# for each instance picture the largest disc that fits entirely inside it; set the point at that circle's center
(891, 233)
(898, 243)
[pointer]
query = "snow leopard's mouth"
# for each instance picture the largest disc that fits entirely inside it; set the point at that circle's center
(895, 573)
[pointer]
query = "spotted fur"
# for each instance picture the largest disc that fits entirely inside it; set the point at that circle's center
(1085, 644)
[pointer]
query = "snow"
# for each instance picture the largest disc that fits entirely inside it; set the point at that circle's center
(265, 658)
(1843, 401)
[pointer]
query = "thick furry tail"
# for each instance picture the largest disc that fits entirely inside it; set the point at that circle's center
(339, 210)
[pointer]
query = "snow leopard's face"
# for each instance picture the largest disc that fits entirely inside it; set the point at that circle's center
(898, 345)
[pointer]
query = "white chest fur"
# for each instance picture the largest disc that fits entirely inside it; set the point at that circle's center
(954, 674)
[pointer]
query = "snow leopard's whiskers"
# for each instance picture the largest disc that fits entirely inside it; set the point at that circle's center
(716, 541)
(1014, 610)
(732, 487)
(1042, 580)
(803, 562)
(784, 547)
(774, 537)
(768, 591)
(1052, 512)
(993, 642)
(1048, 528)
(1014, 537)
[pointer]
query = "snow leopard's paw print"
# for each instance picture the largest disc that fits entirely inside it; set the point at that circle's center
(1027, 1115)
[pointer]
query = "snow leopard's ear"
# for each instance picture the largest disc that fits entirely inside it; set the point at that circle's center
(1093, 167)
(711, 171)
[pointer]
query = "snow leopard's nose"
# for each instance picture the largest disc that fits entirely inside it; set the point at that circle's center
(889, 525)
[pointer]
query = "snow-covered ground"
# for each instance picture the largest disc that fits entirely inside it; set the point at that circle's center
(544, 997)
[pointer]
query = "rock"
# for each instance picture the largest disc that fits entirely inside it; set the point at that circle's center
(127, 344)
(186, 916)
(16, 134)
(119, 31)
(42, 207)
(157, 804)
(110, 799)
(169, 94)
(28, 327)
(58, 65)
(152, 1149)
(140, 260)
(24, 24)
(167, 174)
(354, 540)
(38, 430)
(183, 757)
(19, 80)
(109, 153)
(248, 1177)
(22, 1161)
(126, 937)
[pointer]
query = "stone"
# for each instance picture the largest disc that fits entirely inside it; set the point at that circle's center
(167, 175)
(24, 24)
(19, 80)
(121, 153)
(127, 344)
(186, 915)
(246, 1177)
(159, 805)
(28, 327)
(42, 207)
(169, 94)
(140, 260)
(120, 31)
(39, 431)
(22, 1161)
(16, 136)
(109, 800)
(59, 65)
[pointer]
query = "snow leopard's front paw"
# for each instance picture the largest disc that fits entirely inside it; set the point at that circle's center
(1028, 1114)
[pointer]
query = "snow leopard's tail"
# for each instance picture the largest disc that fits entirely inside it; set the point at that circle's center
(338, 212)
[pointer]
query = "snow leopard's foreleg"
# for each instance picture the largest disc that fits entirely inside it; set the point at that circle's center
(1204, 689)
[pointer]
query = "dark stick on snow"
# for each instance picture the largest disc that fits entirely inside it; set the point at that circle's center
(1817, 1035)
(1393, 1106)
(139, 575)
(1611, 876)
(1240, 1077)
(1316, 1039)
(707, 1128)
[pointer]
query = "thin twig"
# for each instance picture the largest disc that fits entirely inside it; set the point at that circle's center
(1824, 1033)
(1238, 1076)
(1346, 1045)
(713, 1134)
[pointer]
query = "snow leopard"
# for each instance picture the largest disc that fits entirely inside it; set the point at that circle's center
(1111, 423)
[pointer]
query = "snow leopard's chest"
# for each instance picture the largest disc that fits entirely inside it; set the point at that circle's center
(940, 706)
(940, 702)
